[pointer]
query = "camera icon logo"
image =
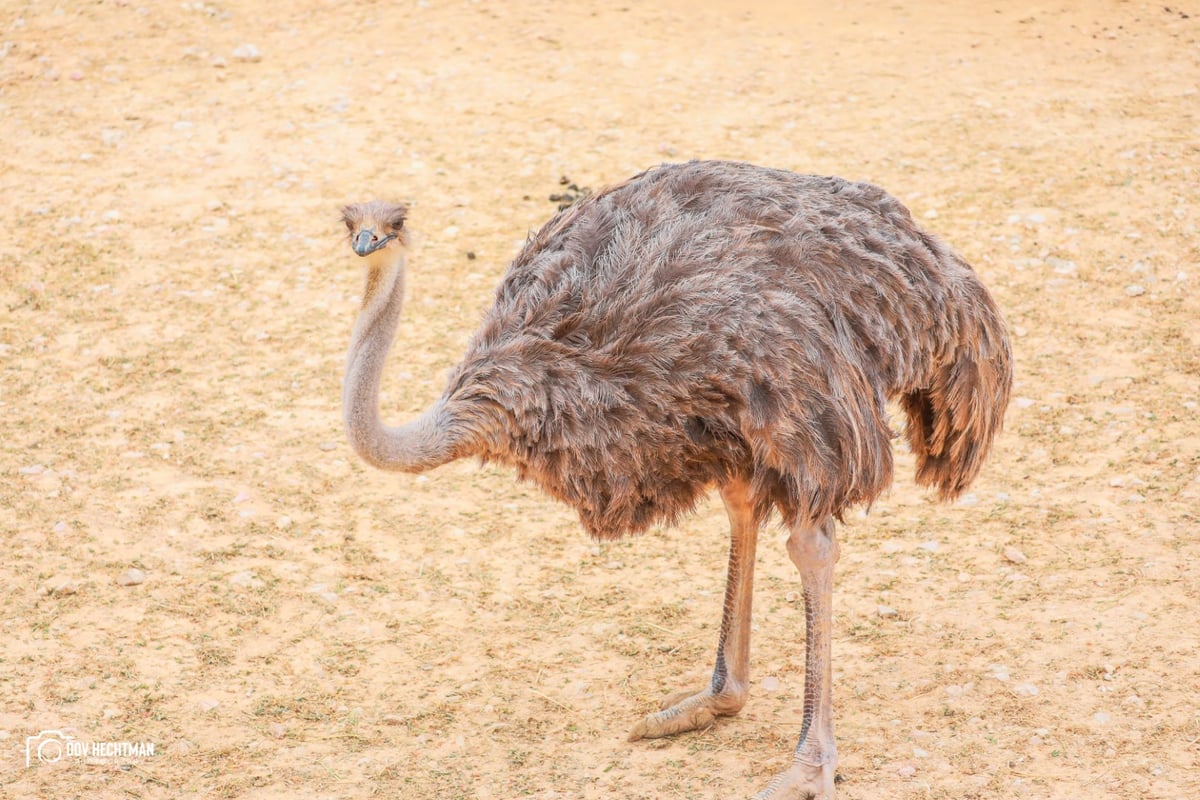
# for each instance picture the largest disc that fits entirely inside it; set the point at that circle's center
(47, 747)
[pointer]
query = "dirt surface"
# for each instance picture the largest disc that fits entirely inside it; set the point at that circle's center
(193, 559)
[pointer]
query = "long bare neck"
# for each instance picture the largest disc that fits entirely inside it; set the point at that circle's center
(427, 441)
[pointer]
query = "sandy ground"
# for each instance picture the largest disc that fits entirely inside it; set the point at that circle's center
(176, 295)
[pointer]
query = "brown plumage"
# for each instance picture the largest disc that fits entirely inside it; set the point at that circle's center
(708, 324)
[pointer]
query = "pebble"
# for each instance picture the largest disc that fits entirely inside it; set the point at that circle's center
(1023, 402)
(1101, 717)
(207, 704)
(277, 729)
(393, 719)
(933, 545)
(770, 683)
(283, 523)
(906, 771)
(327, 446)
(63, 587)
(886, 611)
(131, 577)
(247, 52)
(1026, 689)
(1135, 290)
(1014, 555)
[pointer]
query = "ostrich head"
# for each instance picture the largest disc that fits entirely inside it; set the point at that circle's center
(376, 227)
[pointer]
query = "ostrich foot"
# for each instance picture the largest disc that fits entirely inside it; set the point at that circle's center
(801, 782)
(688, 711)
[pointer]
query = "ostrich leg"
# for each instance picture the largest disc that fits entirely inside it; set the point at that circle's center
(814, 552)
(726, 693)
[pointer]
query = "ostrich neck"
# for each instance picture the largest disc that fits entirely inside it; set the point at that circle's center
(424, 443)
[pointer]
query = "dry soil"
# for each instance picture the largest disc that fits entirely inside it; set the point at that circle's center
(193, 559)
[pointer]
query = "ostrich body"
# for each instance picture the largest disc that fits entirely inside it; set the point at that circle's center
(709, 324)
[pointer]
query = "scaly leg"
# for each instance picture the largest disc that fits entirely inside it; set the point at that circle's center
(726, 693)
(814, 551)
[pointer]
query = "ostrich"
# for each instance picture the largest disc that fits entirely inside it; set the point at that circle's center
(709, 324)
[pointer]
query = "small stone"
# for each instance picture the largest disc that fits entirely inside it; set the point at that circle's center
(1014, 555)
(393, 719)
(277, 730)
(770, 683)
(247, 52)
(1023, 402)
(920, 753)
(906, 771)
(1101, 718)
(219, 62)
(886, 611)
(283, 523)
(932, 546)
(206, 704)
(241, 497)
(327, 446)
(791, 597)
(63, 587)
(131, 577)
(1026, 689)
(1135, 290)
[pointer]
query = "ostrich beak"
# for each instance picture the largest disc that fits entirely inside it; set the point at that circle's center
(363, 245)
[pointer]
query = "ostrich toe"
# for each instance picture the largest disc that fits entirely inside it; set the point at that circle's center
(801, 782)
(687, 711)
